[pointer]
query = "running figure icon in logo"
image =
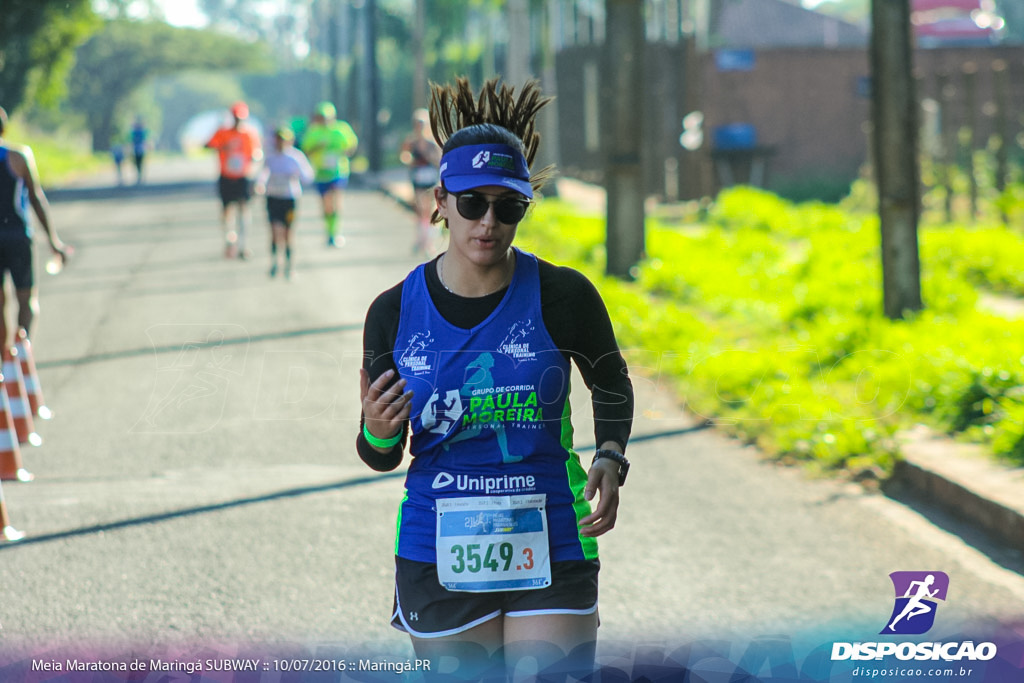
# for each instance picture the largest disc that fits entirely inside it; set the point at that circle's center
(479, 380)
(916, 595)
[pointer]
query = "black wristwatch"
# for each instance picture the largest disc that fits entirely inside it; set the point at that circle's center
(617, 457)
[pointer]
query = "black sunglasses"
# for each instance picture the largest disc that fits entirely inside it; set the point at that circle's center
(507, 209)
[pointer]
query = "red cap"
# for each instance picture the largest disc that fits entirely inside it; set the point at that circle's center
(240, 110)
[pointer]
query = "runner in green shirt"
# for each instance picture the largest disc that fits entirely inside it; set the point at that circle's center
(329, 143)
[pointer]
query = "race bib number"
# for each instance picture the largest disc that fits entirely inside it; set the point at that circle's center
(330, 161)
(236, 163)
(493, 543)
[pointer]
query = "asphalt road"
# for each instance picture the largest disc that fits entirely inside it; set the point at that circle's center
(198, 488)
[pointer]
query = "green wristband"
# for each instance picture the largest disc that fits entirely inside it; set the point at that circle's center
(381, 443)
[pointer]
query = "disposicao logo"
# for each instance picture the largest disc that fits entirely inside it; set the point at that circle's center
(917, 596)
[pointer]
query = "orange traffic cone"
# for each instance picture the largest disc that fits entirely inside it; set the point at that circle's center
(7, 532)
(21, 414)
(28, 370)
(11, 468)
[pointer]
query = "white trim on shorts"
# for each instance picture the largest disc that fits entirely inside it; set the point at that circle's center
(400, 615)
(542, 612)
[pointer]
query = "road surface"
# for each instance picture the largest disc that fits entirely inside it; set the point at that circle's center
(197, 489)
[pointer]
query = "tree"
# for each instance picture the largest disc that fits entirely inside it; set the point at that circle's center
(37, 45)
(131, 9)
(622, 97)
(124, 54)
(281, 29)
(893, 114)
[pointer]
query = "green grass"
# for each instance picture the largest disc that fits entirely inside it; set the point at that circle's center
(59, 158)
(767, 318)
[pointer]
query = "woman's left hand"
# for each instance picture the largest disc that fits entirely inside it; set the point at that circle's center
(603, 479)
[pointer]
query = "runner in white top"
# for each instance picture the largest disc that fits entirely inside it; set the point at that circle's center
(281, 179)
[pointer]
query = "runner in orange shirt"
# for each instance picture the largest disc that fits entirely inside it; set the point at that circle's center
(238, 146)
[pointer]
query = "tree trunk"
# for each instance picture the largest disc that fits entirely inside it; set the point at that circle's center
(371, 89)
(623, 102)
(419, 79)
(517, 67)
(548, 154)
(894, 114)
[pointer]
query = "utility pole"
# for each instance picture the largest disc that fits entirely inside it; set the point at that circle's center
(333, 87)
(623, 100)
(894, 119)
(355, 37)
(517, 67)
(372, 89)
(549, 152)
(419, 77)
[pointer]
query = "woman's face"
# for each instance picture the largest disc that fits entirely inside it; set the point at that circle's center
(485, 240)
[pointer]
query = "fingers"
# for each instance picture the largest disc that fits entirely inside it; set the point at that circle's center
(386, 403)
(602, 519)
(388, 396)
(380, 385)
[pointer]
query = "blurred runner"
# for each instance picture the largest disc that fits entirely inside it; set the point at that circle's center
(281, 179)
(238, 147)
(117, 154)
(298, 125)
(329, 143)
(423, 157)
(140, 143)
(19, 188)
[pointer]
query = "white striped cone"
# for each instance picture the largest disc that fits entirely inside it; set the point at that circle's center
(7, 532)
(20, 411)
(11, 468)
(28, 369)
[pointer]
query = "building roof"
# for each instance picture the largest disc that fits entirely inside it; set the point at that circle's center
(776, 23)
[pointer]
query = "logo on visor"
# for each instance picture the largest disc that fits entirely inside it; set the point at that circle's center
(481, 159)
(917, 594)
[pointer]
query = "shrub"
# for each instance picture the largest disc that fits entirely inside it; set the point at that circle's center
(768, 320)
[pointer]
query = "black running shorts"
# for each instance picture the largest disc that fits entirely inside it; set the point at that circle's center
(425, 609)
(16, 257)
(281, 210)
(234, 190)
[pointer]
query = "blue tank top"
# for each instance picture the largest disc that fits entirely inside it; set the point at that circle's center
(490, 414)
(13, 203)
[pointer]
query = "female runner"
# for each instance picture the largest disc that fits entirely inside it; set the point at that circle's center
(496, 553)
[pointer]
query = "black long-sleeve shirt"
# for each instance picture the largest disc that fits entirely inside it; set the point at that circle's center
(575, 317)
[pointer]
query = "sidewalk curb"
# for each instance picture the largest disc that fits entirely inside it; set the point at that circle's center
(965, 481)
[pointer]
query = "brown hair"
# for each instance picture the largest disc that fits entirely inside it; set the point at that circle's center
(458, 118)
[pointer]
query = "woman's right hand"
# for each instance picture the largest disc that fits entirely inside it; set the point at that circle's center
(386, 404)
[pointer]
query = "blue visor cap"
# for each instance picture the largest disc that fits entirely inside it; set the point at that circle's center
(473, 166)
